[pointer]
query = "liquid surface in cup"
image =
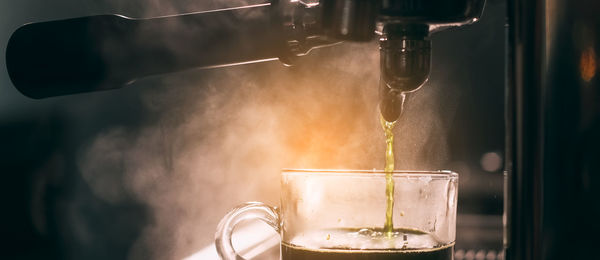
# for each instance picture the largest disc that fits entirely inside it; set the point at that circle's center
(366, 244)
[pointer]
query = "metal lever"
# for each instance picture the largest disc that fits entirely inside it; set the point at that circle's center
(109, 51)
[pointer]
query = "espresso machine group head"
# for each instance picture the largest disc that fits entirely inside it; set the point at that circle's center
(403, 28)
(109, 51)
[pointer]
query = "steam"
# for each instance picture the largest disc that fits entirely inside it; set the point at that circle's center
(221, 137)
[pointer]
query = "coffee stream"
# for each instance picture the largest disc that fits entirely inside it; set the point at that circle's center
(388, 128)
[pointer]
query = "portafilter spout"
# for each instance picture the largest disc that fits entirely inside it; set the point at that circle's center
(405, 61)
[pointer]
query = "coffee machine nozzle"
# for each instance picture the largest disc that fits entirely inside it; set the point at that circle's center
(405, 55)
(403, 27)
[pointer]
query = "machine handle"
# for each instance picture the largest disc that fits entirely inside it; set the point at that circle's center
(250, 210)
(108, 51)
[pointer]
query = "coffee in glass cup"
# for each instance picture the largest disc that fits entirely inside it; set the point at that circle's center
(339, 214)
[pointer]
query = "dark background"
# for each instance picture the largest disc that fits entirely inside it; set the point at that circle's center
(62, 192)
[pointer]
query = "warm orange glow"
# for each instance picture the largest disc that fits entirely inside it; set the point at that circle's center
(587, 64)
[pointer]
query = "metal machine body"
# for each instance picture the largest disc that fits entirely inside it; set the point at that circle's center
(552, 130)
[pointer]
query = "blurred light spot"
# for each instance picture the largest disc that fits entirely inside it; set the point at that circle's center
(480, 255)
(501, 255)
(459, 255)
(470, 255)
(491, 161)
(308, 3)
(491, 255)
(587, 64)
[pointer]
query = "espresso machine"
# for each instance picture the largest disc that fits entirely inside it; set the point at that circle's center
(104, 52)
(552, 115)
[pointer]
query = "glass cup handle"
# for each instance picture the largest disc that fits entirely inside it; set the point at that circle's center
(246, 211)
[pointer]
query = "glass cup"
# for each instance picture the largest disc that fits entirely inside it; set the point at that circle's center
(340, 214)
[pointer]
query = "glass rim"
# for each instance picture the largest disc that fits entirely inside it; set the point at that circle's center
(370, 173)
